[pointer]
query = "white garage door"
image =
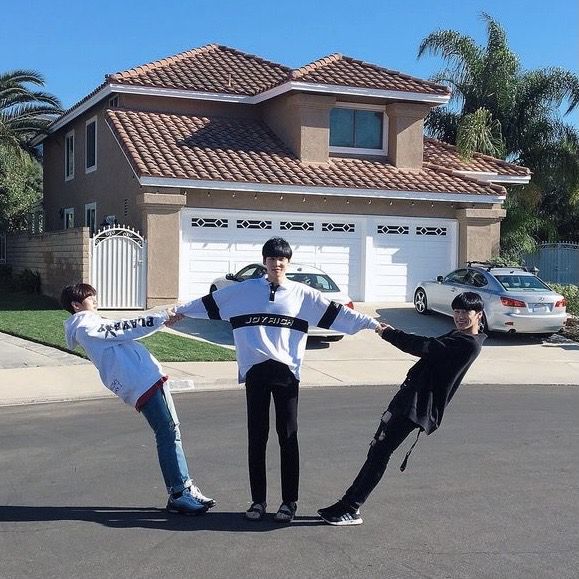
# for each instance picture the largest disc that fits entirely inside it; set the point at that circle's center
(372, 258)
(406, 251)
(215, 242)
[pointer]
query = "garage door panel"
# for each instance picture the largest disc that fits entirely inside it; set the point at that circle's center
(405, 251)
(337, 253)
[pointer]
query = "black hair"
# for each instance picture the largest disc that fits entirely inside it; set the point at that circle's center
(468, 301)
(276, 247)
(75, 293)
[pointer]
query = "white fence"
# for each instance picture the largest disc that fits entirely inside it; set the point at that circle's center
(557, 262)
(119, 268)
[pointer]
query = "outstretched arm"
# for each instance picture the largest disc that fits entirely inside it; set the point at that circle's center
(126, 329)
(420, 346)
(319, 311)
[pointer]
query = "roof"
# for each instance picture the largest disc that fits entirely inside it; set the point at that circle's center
(211, 68)
(224, 70)
(200, 148)
(447, 155)
(338, 69)
(221, 70)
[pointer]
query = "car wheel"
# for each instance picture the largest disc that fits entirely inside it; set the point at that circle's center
(420, 301)
(213, 288)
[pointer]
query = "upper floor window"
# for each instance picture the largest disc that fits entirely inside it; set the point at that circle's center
(357, 130)
(114, 101)
(91, 145)
(69, 156)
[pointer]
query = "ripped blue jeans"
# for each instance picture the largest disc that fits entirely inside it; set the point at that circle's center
(160, 413)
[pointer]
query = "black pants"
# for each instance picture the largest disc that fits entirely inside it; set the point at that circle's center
(389, 436)
(262, 381)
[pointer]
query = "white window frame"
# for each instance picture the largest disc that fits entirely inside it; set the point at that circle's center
(92, 167)
(90, 207)
(68, 137)
(361, 151)
(68, 211)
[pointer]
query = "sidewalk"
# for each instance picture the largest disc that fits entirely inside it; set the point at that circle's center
(356, 360)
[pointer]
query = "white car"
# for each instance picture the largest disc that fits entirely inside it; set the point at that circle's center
(306, 274)
(515, 300)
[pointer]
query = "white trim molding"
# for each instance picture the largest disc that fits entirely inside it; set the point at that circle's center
(489, 177)
(69, 137)
(92, 168)
(465, 197)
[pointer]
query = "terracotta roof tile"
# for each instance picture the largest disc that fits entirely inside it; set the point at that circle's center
(211, 68)
(235, 150)
(446, 155)
(337, 69)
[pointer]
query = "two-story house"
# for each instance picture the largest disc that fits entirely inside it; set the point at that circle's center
(212, 151)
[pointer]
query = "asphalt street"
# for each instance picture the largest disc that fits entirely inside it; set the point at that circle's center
(493, 493)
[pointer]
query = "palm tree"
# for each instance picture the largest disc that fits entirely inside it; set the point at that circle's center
(24, 113)
(500, 109)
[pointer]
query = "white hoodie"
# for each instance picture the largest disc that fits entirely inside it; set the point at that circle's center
(126, 367)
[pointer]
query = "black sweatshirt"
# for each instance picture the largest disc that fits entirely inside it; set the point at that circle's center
(431, 383)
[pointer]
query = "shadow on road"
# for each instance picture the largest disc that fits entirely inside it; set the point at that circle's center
(148, 518)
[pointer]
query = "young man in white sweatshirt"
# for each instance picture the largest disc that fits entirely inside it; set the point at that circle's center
(131, 372)
(270, 318)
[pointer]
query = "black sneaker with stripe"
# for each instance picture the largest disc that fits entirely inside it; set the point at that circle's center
(341, 514)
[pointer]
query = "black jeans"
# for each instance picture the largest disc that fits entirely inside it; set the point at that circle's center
(389, 436)
(262, 381)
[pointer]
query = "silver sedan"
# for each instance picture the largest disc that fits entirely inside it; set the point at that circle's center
(515, 300)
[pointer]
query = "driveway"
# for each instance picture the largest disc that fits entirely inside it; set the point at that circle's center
(514, 359)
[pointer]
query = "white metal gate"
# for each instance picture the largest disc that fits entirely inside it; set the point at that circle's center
(119, 268)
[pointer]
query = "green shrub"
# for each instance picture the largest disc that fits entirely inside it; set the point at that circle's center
(27, 281)
(571, 294)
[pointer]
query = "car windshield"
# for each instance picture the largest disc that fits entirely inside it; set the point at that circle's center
(526, 283)
(318, 281)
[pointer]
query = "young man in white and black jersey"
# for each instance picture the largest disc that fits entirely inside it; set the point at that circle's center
(270, 317)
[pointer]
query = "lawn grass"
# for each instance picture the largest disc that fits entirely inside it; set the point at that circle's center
(40, 319)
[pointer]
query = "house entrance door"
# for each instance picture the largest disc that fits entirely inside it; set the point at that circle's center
(119, 268)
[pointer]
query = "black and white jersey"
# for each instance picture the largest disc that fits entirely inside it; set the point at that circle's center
(270, 322)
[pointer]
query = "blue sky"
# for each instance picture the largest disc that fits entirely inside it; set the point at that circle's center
(74, 44)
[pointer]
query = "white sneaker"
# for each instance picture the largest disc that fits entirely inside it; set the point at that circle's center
(197, 494)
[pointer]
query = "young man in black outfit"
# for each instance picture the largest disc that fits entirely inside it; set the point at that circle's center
(420, 403)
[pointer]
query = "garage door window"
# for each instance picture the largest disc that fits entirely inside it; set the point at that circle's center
(203, 222)
(344, 227)
(297, 225)
(393, 229)
(430, 230)
(253, 224)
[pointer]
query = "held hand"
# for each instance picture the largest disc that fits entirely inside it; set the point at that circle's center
(173, 317)
(383, 326)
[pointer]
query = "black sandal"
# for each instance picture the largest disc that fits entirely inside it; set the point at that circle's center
(286, 513)
(256, 512)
